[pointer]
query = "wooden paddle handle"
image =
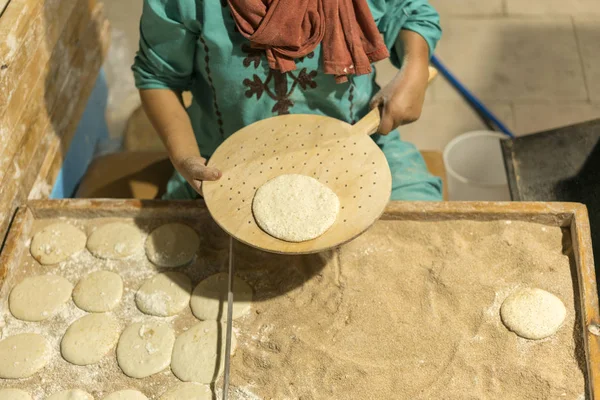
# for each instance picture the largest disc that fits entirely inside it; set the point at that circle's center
(369, 124)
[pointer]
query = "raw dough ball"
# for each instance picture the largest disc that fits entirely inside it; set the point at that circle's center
(145, 348)
(75, 394)
(164, 294)
(100, 291)
(126, 395)
(14, 394)
(23, 355)
(295, 208)
(194, 356)
(209, 299)
(89, 338)
(39, 297)
(56, 243)
(172, 245)
(188, 391)
(533, 313)
(115, 241)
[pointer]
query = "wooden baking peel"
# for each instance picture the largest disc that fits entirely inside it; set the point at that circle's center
(339, 155)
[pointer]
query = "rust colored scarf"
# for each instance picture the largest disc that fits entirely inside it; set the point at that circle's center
(290, 29)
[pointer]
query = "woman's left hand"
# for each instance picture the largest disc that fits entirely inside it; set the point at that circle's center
(401, 100)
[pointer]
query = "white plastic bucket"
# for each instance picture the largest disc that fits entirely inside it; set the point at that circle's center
(475, 167)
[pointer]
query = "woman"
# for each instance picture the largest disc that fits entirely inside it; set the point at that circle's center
(246, 60)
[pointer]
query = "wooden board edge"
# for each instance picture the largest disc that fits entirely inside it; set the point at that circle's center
(12, 247)
(558, 214)
(562, 212)
(84, 208)
(588, 293)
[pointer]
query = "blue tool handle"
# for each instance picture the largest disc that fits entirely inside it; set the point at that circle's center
(474, 101)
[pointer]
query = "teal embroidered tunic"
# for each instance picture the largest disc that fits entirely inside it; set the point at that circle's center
(194, 45)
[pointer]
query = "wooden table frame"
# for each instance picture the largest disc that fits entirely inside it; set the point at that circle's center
(570, 216)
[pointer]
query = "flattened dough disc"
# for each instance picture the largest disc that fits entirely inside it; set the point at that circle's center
(339, 155)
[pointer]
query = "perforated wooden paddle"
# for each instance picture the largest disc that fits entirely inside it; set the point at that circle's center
(339, 155)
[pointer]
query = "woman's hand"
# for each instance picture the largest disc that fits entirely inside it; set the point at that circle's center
(168, 116)
(195, 171)
(401, 101)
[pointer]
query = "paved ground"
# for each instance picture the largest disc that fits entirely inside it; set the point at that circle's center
(535, 63)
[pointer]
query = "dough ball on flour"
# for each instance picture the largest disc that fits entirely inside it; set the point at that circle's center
(145, 348)
(172, 245)
(115, 241)
(209, 299)
(39, 297)
(126, 395)
(56, 243)
(164, 294)
(194, 356)
(75, 394)
(295, 208)
(14, 394)
(89, 338)
(533, 313)
(188, 391)
(23, 355)
(100, 291)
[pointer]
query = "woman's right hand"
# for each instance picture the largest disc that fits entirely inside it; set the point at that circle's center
(195, 171)
(169, 117)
